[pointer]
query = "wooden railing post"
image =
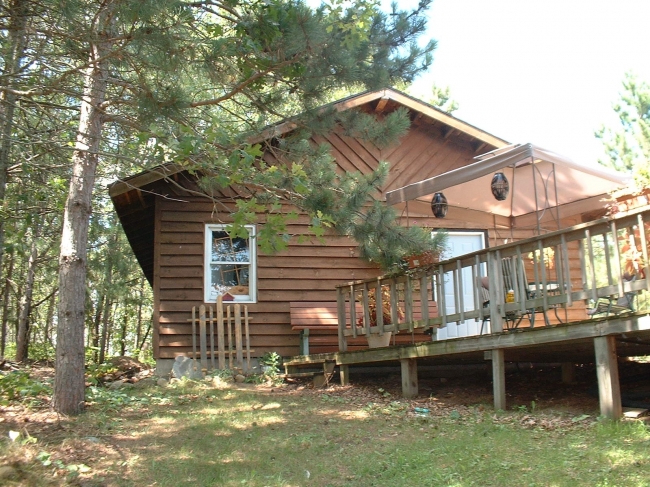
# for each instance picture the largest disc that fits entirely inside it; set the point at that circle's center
(644, 250)
(340, 308)
(494, 280)
(408, 302)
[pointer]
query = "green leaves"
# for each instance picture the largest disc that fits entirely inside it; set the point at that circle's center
(628, 147)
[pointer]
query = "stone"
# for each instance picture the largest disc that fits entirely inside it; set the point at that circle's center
(240, 378)
(118, 384)
(184, 367)
(219, 383)
(127, 366)
(162, 382)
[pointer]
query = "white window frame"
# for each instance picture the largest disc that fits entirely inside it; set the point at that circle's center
(208, 295)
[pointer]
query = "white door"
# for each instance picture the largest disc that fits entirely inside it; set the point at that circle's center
(460, 243)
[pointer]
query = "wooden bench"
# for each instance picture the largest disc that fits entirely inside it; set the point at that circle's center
(319, 319)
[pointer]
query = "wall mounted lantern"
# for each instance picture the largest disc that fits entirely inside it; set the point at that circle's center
(439, 205)
(500, 186)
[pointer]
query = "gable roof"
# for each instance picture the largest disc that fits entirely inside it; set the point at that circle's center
(134, 197)
(377, 101)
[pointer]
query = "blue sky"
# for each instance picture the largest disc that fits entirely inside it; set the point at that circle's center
(546, 72)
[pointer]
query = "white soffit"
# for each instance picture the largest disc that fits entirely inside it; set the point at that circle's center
(538, 179)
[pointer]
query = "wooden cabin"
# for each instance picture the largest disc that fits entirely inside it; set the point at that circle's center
(171, 229)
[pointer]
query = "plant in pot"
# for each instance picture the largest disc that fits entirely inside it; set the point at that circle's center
(376, 340)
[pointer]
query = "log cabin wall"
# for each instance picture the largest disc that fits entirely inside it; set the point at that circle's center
(306, 271)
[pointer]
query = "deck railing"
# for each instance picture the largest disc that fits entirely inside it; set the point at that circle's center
(557, 275)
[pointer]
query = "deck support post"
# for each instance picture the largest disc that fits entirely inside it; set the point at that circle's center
(568, 373)
(409, 377)
(499, 379)
(344, 375)
(609, 389)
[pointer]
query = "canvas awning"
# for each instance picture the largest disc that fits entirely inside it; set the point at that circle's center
(539, 179)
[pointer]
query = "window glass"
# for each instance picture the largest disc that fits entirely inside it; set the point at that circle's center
(230, 265)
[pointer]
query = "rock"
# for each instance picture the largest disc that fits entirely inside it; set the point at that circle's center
(162, 382)
(8, 472)
(118, 384)
(127, 366)
(174, 380)
(240, 378)
(184, 367)
(219, 383)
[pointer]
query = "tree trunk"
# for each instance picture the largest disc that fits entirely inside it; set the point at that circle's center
(49, 319)
(144, 345)
(69, 381)
(22, 338)
(94, 334)
(5, 306)
(125, 323)
(104, 336)
(18, 14)
(138, 332)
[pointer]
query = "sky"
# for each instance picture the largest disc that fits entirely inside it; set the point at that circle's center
(546, 72)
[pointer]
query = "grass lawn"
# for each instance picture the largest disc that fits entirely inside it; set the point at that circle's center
(199, 434)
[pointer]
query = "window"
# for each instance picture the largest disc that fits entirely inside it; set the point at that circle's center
(229, 264)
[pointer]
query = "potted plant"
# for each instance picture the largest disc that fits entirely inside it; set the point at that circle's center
(423, 259)
(375, 340)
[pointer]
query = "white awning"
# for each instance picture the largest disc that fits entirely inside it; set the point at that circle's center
(539, 179)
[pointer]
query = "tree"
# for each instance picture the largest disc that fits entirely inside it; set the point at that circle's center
(628, 147)
(197, 78)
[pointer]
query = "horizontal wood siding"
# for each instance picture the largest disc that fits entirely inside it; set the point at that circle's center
(306, 271)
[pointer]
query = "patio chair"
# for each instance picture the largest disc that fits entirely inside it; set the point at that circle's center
(512, 319)
(616, 305)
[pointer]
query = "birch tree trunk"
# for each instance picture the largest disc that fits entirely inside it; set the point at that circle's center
(5, 306)
(103, 343)
(22, 337)
(69, 381)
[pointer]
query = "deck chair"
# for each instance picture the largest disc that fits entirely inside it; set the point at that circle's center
(511, 320)
(514, 281)
(615, 305)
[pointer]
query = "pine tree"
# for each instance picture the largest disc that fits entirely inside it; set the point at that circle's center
(628, 147)
(197, 78)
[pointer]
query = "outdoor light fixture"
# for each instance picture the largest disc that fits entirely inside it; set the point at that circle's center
(439, 205)
(500, 186)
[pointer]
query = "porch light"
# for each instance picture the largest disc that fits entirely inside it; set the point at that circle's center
(500, 186)
(439, 205)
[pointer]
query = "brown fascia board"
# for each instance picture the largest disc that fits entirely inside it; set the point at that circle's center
(403, 99)
(143, 178)
(353, 101)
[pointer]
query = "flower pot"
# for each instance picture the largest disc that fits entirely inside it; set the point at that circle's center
(377, 341)
(421, 260)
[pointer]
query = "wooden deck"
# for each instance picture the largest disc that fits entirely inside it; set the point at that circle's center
(556, 277)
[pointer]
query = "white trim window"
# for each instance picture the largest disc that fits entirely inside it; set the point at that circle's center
(230, 264)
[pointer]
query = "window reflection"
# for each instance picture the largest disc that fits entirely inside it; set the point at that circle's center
(227, 249)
